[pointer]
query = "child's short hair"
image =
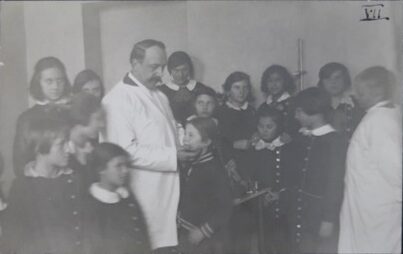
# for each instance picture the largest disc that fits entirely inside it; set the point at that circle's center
(35, 88)
(328, 69)
(276, 115)
(382, 78)
(289, 84)
(43, 132)
(206, 91)
(180, 58)
(313, 101)
(85, 76)
(103, 153)
(206, 126)
(83, 105)
(236, 77)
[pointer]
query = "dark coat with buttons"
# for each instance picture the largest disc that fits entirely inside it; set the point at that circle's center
(317, 190)
(117, 228)
(272, 169)
(44, 216)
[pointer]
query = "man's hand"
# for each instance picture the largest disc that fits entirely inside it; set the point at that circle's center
(230, 167)
(186, 155)
(326, 229)
(195, 236)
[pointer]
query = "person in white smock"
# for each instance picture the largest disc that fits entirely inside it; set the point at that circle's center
(371, 213)
(140, 120)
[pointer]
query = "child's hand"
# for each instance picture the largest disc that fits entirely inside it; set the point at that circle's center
(186, 155)
(195, 236)
(285, 138)
(270, 197)
(230, 167)
(326, 229)
(243, 144)
(254, 139)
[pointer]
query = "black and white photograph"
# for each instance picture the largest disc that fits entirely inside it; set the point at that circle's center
(201, 127)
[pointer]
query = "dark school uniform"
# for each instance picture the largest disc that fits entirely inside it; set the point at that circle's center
(44, 215)
(236, 124)
(114, 223)
(181, 98)
(206, 203)
(271, 163)
(317, 189)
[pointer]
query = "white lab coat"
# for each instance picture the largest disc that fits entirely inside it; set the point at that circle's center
(141, 121)
(370, 218)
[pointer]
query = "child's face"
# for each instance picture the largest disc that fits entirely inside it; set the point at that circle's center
(116, 171)
(275, 84)
(302, 118)
(204, 105)
(267, 128)
(334, 84)
(52, 83)
(181, 74)
(193, 140)
(59, 152)
(239, 92)
(93, 87)
(96, 124)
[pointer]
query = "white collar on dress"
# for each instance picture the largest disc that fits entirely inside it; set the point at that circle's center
(261, 144)
(320, 131)
(61, 101)
(283, 97)
(29, 171)
(190, 85)
(106, 196)
(243, 107)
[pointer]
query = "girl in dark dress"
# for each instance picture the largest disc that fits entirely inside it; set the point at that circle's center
(278, 85)
(206, 200)
(335, 79)
(236, 118)
(114, 222)
(89, 82)
(50, 89)
(45, 204)
(181, 90)
(271, 162)
(318, 173)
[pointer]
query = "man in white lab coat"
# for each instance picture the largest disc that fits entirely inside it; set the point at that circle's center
(371, 214)
(140, 120)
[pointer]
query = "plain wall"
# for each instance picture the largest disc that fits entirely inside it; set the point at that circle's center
(54, 29)
(225, 36)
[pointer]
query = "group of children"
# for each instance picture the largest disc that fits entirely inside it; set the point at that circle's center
(70, 193)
